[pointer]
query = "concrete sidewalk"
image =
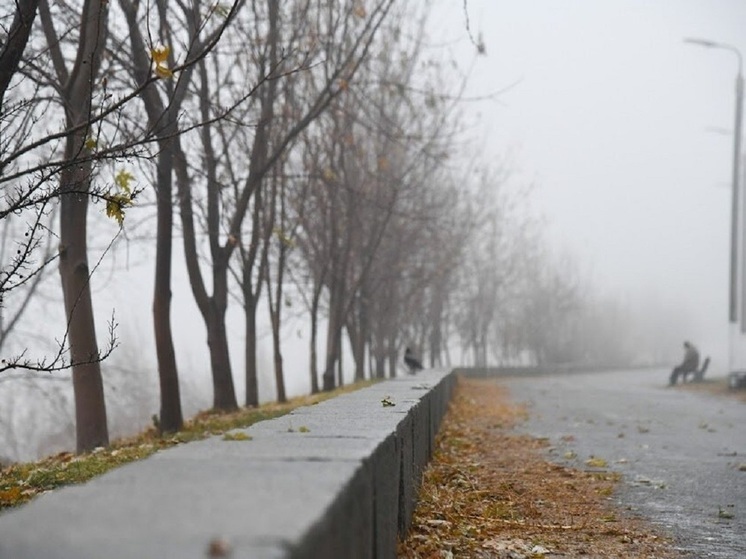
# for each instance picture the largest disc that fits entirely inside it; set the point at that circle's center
(680, 451)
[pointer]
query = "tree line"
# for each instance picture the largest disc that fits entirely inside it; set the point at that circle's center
(304, 143)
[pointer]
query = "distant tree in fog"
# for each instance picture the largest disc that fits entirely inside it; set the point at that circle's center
(375, 233)
(500, 244)
(552, 303)
(330, 65)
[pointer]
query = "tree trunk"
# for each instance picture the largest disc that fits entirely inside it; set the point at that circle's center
(332, 338)
(357, 343)
(329, 382)
(393, 356)
(357, 333)
(90, 408)
(277, 343)
(252, 384)
(314, 335)
(217, 339)
(436, 322)
(212, 307)
(251, 300)
(224, 395)
(171, 418)
(340, 362)
(380, 365)
(275, 310)
(163, 120)
(279, 372)
(16, 39)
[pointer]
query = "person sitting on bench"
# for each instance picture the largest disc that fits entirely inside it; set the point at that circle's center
(690, 365)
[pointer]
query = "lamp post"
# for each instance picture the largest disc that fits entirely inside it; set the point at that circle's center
(736, 179)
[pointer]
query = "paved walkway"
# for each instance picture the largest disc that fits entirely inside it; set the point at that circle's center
(681, 453)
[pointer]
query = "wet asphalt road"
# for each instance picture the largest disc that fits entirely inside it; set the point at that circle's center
(679, 452)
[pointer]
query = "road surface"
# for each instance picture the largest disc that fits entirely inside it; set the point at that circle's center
(682, 454)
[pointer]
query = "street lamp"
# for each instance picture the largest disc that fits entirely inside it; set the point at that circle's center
(733, 312)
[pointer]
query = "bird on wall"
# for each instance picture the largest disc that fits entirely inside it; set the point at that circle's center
(412, 362)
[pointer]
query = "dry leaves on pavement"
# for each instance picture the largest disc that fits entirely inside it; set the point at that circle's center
(490, 494)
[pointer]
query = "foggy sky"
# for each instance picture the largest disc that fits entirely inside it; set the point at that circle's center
(626, 132)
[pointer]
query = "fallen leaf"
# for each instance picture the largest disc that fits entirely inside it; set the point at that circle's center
(218, 548)
(10, 496)
(387, 402)
(595, 462)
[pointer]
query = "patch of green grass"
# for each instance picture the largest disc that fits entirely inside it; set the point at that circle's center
(19, 483)
(237, 436)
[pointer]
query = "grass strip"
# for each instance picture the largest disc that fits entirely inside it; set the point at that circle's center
(21, 482)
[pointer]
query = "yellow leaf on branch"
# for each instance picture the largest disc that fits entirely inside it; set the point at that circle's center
(163, 72)
(118, 201)
(115, 205)
(160, 54)
(285, 239)
(123, 179)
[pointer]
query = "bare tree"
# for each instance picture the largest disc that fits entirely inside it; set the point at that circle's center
(373, 159)
(333, 63)
(500, 243)
(163, 106)
(282, 231)
(27, 182)
(553, 302)
(77, 85)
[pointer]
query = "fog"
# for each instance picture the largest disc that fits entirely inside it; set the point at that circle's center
(623, 131)
(626, 132)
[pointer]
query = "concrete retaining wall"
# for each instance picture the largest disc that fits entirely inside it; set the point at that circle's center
(334, 480)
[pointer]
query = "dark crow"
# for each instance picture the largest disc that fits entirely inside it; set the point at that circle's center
(412, 362)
